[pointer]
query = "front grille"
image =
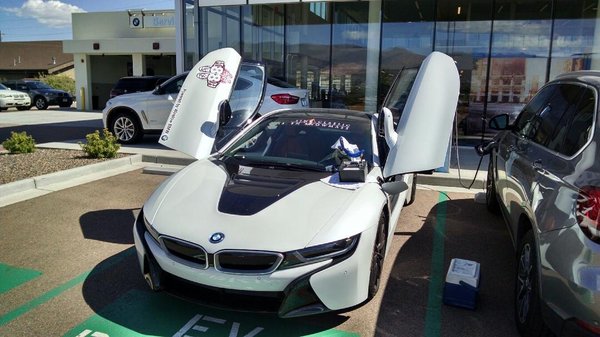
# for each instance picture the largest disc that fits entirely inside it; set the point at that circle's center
(247, 262)
(185, 250)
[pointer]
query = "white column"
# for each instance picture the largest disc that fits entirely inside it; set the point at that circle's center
(180, 14)
(596, 46)
(374, 37)
(83, 77)
(139, 64)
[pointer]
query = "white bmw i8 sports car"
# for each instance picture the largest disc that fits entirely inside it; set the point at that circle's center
(294, 210)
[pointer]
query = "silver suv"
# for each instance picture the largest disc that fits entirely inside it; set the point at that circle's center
(130, 116)
(544, 178)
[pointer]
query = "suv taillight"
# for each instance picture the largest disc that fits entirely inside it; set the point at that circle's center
(588, 212)
(285, 98)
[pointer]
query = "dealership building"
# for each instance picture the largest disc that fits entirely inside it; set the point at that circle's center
(346, 53)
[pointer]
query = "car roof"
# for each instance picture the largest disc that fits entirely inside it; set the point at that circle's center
(591, 77)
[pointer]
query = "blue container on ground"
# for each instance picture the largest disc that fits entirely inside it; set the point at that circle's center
(462, 284)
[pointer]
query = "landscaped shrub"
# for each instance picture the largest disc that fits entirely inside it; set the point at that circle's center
(101, 146)
(61, 82)
(19, 142)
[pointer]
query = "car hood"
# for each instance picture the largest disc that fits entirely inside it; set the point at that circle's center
(132, 96)
(257, 209)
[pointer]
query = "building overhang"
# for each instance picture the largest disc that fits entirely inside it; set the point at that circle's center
(121, 46)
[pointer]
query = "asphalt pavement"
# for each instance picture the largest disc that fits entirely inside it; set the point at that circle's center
(71, 270)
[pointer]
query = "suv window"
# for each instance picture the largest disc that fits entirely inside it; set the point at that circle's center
(544, 113)
(173, 86)
(575, 128)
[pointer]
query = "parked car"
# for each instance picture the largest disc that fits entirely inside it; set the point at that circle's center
(42, 95)
(272, 219)
(544, 178)
(130, 116)
(131, 84)
(13, 98)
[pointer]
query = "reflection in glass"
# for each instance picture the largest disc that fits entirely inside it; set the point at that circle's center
(407, 38)
(463, 32)
(308, 36)
(349, 55)
(576, 40)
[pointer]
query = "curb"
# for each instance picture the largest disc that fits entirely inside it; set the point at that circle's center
(9, 190)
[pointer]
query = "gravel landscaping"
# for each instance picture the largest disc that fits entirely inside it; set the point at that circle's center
(14, 167)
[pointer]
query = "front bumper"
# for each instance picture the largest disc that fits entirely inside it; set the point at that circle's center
(328, 285)
(59, 100)
(11, 102)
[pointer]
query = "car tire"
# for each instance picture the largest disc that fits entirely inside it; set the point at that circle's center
(126, 127)
(40, 103)
(491, 195)
(377, 257)
(23, 108)
(413, 192)
(528, 313)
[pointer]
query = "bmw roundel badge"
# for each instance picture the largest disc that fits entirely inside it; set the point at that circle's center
(217, 237)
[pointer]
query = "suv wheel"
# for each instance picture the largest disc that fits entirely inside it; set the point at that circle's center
(126, 128)
(528, 314)
(40, 103)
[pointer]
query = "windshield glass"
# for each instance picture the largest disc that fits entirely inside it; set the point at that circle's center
(39, 85)
(301, 140)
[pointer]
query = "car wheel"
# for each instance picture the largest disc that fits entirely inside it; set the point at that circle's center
(528, 315)
(2, 109)
(22, 108)
(126, 128)
(491, 196)
(378, 257)
(40, 103)
(413, 191)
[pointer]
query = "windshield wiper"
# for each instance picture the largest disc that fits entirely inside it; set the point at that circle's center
(286, 166)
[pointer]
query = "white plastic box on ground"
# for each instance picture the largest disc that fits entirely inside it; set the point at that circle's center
(462, 284)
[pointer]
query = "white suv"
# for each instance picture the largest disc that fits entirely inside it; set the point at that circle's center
(130, 116)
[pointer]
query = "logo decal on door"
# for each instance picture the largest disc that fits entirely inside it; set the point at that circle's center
(215, 74)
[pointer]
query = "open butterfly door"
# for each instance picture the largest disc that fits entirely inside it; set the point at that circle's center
(420, 140)
(194, 120)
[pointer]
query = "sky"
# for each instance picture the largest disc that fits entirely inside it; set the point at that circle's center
(38, 20)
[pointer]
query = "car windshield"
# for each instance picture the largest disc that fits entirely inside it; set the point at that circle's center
(39, 85)
(301, 140)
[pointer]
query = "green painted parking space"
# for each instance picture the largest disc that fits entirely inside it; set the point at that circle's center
(12, 277)
(143, 313)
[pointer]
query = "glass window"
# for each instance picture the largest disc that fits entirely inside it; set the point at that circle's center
(263, 34)
(520, 49)
(526, 117)
(308, 45)
(222, 28)
(575, 129)
(463, 31)
(576, 39)
(406, 38)
(563, 99)
(349, 55)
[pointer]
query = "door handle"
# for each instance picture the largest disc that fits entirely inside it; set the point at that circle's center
(538, 167)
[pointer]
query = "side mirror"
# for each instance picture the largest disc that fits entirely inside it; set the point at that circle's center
(224, 113)
(499, 122)
(394, 187)
(158, 90)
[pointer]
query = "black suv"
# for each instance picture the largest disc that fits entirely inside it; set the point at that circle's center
(42, 95)
(131, 84)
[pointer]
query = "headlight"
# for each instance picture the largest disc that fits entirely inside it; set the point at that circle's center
(4, 95)
(319, 253)
(150, 229)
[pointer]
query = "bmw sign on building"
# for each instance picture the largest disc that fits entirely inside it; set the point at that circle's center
(136, 22)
